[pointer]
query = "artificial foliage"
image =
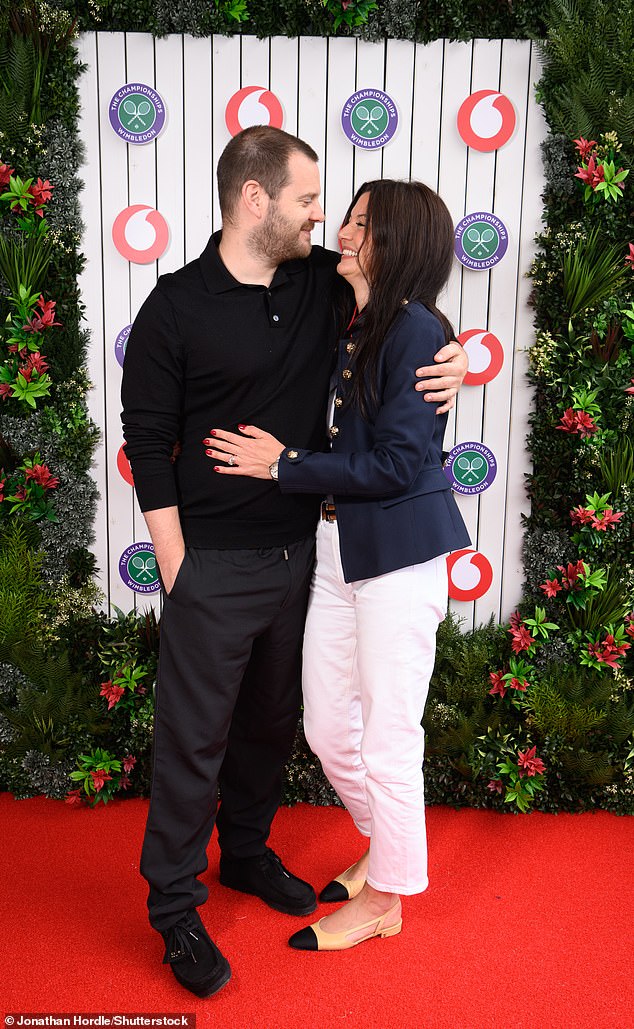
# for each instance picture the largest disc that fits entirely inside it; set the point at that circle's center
(535, 714)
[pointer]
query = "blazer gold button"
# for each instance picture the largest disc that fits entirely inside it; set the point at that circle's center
(334, 431)
(338, 401)
(347, 374)
(292, 454)
(351, 347)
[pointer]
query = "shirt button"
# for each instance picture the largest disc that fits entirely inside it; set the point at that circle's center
(292, 454)
(351, 347)
(334, 431)
(276, 317)
(338, 401)
(347, 374)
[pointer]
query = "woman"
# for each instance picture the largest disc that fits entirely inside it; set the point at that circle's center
(380, 584)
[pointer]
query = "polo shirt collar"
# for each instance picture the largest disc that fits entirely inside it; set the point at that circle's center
(218, 278)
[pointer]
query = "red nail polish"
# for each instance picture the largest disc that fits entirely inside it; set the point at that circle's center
(209, 453)
(212, 432)
(242, 427)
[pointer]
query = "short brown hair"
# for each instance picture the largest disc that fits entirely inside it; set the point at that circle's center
(261, 153)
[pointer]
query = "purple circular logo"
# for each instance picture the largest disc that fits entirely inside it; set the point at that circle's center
(137, 113)
(481, 240)
(121, 343)
(369, 118)
(470, 468)
(138, 569)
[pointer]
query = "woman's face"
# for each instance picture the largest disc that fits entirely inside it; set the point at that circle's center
(352, 236)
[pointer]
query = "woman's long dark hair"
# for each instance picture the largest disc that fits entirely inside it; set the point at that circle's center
(410, 255)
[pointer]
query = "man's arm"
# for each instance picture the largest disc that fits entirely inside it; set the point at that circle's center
(443, 379)
(169, 547)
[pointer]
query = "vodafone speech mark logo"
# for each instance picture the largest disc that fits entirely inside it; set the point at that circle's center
(485, 353)
(486, 120)
(470, 574)
(123, 466)
(140, 234)
(253, 105)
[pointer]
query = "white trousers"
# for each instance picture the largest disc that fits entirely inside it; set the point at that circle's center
(369, 653)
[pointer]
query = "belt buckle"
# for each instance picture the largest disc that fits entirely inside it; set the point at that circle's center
(328, 512)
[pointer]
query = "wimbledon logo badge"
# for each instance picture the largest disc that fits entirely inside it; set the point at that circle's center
(121, 343)
(253, 105)
(137, 113)
(369, 118)
(486, 120)
(470, 468)
(137, 568)
(481, 241)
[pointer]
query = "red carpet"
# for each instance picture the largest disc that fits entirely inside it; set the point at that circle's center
(527, 924)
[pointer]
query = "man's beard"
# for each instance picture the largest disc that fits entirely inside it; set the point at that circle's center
(278, 240)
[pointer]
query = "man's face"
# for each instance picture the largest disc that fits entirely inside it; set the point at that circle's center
(285, 232)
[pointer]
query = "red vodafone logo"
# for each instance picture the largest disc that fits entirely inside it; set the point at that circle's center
(140, 234)
(253, 105)
(486, 120)
(485, 353)
(123, 465)
(470, 575)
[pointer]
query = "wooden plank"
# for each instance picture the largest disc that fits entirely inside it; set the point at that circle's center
(426, 110)
(115, 196)
(311, 121)
(225, 82)
(284, 78)
(503, 299)
(198, 173)
(399, 77)
(90, 286)
(368, 164)
(339, 155)
(521, 392)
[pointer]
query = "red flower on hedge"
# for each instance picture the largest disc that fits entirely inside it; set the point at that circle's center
(570, 575)
(35, 363)
(41, 474)
(112, 693)
(581, 515)
(100, 778)
(522, 639)
(607, 519)
(41, 193)
(128, 763)
(5, 175)
(44, 320)
(518, 684)
(585, 147)
(551, 587)
(496, 786)
(73, 798)
(528, 764)
(630, 389)
(499, 686)
(629, 258)
(577, 423)
(5, 390)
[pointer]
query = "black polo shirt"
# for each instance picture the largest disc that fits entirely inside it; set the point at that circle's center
(207, 351)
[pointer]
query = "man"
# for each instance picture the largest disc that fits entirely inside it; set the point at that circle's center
(243, 334)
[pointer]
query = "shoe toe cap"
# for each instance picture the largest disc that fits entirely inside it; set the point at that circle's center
(334, 893)
(305, 939)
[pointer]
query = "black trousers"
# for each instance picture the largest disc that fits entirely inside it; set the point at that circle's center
(228, 700)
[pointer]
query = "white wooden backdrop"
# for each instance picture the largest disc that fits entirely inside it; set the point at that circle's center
(313, 77)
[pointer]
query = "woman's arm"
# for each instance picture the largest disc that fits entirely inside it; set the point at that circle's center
(403, 429)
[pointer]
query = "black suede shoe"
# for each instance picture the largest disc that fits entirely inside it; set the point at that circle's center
(196, 962)
(265, 877)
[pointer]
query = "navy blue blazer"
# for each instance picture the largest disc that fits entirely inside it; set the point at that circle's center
(394, 503)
